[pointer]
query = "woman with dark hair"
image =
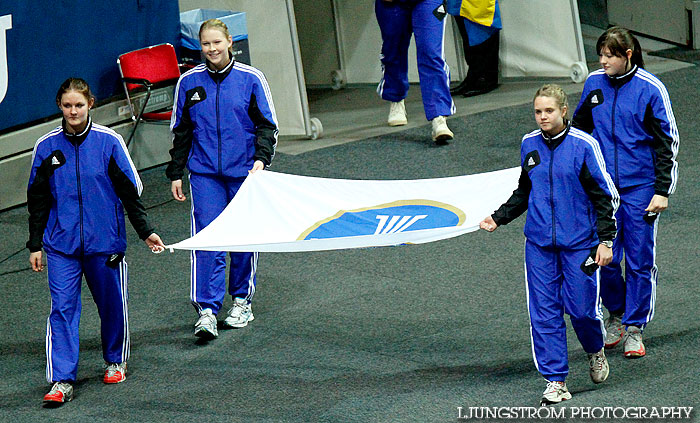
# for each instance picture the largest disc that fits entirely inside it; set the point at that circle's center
(628, 110)
(570, 226)
(81, 180)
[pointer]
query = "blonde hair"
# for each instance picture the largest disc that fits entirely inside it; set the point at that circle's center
(214, 24)
(556, 92)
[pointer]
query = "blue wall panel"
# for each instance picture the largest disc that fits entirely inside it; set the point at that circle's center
(52, 40)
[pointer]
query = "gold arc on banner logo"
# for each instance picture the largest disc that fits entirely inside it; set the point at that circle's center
(461, 216)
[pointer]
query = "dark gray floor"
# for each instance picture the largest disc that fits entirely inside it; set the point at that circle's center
(404, 334)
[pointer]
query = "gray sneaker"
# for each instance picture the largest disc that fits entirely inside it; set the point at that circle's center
(614, 331)
(60, 392)
(598, 364)
(634, 347)
(555, 393)
(206, 325)
(239, 314)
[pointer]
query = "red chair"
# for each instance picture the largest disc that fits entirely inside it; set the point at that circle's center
(148, 68)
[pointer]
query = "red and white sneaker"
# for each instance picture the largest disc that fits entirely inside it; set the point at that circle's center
(115, 373)
(60, 392)
(634, 347)
(614, 331)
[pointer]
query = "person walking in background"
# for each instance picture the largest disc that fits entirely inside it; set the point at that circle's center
(398, 20)
(479, 24)
(571, 203)
(628, 110)
(224, 126)
(82, 178)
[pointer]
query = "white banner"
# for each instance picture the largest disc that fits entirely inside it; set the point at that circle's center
(277, 212)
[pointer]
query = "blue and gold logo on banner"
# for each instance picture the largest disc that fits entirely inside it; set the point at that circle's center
(398, 216)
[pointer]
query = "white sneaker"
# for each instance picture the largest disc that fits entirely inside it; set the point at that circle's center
(633, 345)
(206, 325)
(441, 133)
(598, 364)
(240, 314)
(397, 114)
(555, 393)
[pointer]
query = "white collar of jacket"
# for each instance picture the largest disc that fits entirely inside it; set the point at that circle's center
(622, 79)
(77, 138)
(555, 140)
(226, 69)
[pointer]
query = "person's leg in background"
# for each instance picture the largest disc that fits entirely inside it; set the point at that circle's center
(428, 19)
(480, 45)
(395, 25)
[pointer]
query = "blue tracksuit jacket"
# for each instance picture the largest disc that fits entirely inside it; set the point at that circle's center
(222, 122)
(78, 188)
(632, 118)
(570, 198)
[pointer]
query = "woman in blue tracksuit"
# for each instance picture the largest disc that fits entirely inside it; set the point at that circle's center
(570, 225)
(224, 126)
(628, 110)
(398, 21)
(81, 180)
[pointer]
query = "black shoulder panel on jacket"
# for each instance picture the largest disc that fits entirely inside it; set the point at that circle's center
(583, 119)
(265, 132)
(664, 153)
(40, 199)
(183, 134)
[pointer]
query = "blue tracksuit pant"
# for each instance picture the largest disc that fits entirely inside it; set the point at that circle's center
(635, 294)
(109, 290)
(556, 284)
(210, 196)
(397, 23)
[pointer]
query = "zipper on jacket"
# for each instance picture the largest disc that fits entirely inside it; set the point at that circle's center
(551, 197)
(218, 124)
(80, 198)
(612, 135)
